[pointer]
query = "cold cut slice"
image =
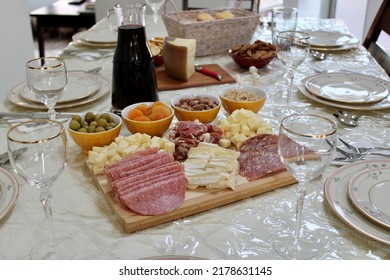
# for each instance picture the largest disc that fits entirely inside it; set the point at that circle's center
(158, 198)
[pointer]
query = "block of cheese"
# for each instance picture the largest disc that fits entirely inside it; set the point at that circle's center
(179, 58)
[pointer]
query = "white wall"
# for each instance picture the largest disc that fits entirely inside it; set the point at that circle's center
(16, 43)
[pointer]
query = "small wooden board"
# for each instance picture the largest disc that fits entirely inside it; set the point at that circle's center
(196, 201)
(164, 82)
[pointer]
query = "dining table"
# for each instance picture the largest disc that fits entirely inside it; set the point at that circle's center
(243, 229)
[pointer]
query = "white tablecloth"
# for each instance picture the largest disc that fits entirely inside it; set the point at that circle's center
(241, 230)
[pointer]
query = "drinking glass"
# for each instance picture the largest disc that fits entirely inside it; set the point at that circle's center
(112, 21)
(292, 48)
(47, 79)
(283, 19)
(45, 154)
(306, 146)
(155, 5)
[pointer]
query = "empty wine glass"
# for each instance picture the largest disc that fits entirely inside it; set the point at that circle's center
(112, 21)
(155, 5)
(306, 145)
(47, 79)
(292, 48)
(45, 155)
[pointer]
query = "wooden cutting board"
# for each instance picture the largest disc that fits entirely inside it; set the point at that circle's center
(164, 82)
(196, 201)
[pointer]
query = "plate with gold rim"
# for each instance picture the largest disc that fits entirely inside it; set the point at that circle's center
(14, 96)
(9, 191)
(369, 191)
(336, 195)
(80, 86)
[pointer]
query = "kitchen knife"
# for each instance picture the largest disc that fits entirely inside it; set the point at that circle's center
(208, 72)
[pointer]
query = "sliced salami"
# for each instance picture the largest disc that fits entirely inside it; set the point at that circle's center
(137, 154)
(159, 198)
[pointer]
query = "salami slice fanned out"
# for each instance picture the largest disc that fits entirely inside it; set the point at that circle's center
(158, 198)
(259, 157)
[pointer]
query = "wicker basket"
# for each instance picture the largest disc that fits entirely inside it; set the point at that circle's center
(213, 37)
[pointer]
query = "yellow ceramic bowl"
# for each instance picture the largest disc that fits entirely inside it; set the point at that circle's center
(152, 128)
(87, 141)
(206, 116)
(231, 105)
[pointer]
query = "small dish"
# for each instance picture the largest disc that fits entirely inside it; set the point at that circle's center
(204, 116)
(86, 141)
(230, 105)
(9, 191)
(247, 61)
(152, 128)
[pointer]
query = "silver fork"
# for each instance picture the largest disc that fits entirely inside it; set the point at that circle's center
(362, 149)
(356, 155)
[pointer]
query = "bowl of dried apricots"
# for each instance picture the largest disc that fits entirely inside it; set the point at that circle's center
(152, 118)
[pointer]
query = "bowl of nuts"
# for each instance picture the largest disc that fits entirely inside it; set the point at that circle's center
(242, 97)
(259, 54)
(196, 106)
(90, 129)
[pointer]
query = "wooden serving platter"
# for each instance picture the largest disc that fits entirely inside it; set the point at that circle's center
(196, 201)
(164, 82)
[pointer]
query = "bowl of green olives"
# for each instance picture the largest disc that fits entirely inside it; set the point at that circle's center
(90, 129)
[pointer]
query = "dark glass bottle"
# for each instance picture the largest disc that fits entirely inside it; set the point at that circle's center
(133, 77)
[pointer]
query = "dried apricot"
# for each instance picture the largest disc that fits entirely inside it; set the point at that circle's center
(161, 109)
(134, 114)
(142, 118)
(156, 116)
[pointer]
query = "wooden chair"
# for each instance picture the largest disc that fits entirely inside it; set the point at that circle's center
(380, 24)
(187, 5)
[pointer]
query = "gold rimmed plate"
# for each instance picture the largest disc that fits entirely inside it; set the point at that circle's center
(369, 191)
(9, 191)
(80, 85)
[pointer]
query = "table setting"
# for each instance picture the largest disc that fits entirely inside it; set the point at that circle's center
(342, 210)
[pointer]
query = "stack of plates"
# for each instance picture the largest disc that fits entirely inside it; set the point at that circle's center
(332, 41)
(82, 88)
(95, 38)
(347, 90)
(359, 193)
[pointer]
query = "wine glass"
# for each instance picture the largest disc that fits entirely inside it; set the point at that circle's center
(292, 48)
(44, 146)
(47, 79)
(112, 21)
(155, 5)
(306, 145)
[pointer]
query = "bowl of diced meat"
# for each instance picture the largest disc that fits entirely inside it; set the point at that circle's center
(242, 97)
(196, 106)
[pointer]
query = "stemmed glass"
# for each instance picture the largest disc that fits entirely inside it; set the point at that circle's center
(47, 79)
(45, 155)
(155, 5)
(292, 48)
(306, 145)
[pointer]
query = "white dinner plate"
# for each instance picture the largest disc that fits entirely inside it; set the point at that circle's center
(14, 96)
(336, 195)
(79, 38)
(99, 36)
(80, 85)
(347, 88)
(369, 191)
(327, 39)
(9, 191)
(383, 104)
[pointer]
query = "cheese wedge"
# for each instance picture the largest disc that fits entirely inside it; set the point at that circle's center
(179, 58)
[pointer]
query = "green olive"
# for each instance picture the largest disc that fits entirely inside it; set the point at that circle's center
(82, 130)
(99, 129)
(106, 116)
(91, 129)
(102, 123)
(76, 118)
(84, 123)
(74, 125)
(89, 117)
(93, 123)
